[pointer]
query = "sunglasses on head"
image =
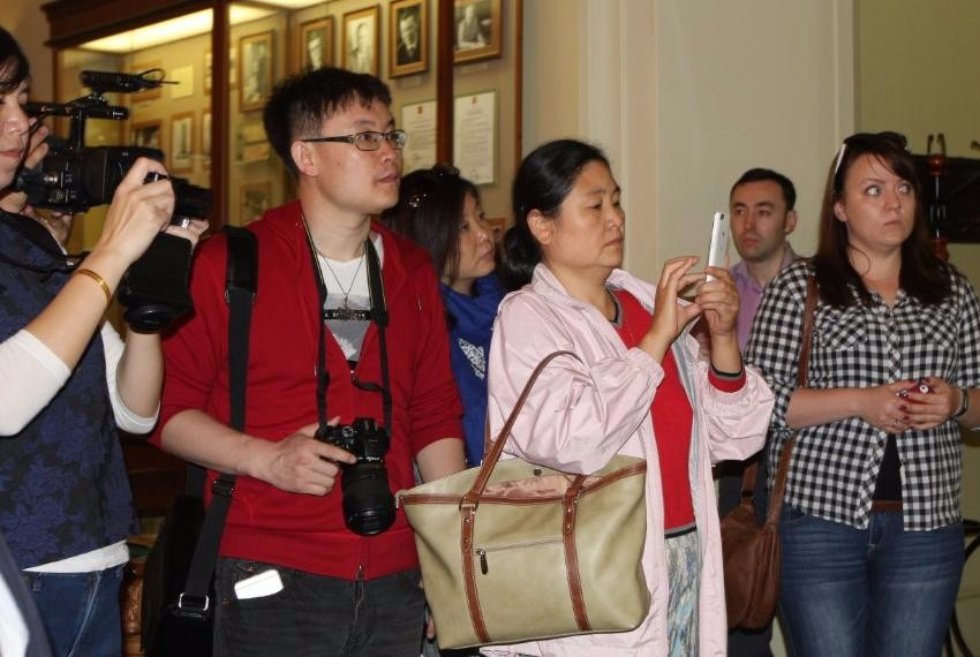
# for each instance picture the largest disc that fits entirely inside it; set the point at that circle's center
(869, 141)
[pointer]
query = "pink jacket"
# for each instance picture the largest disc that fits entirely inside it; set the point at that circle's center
(580, 414)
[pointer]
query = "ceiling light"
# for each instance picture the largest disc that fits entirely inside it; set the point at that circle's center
(186, 26)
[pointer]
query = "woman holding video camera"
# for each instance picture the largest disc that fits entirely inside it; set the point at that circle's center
(67, 382)
(871, 528)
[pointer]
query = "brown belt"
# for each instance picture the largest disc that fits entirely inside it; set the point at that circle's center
(886, 505)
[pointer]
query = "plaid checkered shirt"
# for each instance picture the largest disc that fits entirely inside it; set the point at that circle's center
(835, 465)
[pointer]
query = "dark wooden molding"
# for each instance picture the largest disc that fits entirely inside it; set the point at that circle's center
(445, 29)
(74, 22)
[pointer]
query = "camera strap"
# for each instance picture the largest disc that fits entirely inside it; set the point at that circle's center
(378, 314)
(241, 282)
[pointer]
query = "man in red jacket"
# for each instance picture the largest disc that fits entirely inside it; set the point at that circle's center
(292, 577)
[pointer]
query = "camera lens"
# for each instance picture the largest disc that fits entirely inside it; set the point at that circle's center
(369, 506)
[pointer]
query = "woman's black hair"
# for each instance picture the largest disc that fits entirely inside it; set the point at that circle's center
(429, 212)
(923, 275)
(543, 181)
(14, 68)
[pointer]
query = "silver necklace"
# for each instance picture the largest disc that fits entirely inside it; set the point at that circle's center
(326, 261)
(353, 280)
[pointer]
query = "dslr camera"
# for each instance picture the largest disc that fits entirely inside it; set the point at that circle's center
(74, 177)
(369, 506)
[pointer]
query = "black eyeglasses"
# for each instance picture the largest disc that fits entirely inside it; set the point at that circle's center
(870, 140)
(369, 140)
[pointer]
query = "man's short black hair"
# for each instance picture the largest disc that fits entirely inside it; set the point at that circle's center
(759, 174)
(300, 104)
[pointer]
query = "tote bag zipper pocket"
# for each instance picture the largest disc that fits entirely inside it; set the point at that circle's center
(483, 553)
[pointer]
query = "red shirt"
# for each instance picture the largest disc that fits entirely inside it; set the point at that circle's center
(672, 416)
(307, 532)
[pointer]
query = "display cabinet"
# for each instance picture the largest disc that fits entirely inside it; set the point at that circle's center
(454, 68)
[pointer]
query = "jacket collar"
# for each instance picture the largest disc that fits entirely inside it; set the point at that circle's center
(545, 283)
(286, 222)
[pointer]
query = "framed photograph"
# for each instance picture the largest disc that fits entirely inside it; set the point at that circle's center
(478, 27)
(207, 70)
(408, 37)
(361, 40)
(232, 67)
(147, 94)
(146, 134)
(255, 63)
(316, 43)
(181, 142)
(183, 77)
(256, 199)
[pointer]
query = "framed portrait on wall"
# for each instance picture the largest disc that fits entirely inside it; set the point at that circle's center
(477, 32)
(181, 149)
(408, 37)
(146, 134)
(316, 43)
(360, 42)
(255, 63)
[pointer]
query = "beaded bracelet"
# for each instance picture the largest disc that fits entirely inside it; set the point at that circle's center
(98, 279)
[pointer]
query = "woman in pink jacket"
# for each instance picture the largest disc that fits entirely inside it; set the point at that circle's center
(642, 387)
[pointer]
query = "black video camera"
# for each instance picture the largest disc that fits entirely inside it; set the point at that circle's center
(369, 506)
(74, 178)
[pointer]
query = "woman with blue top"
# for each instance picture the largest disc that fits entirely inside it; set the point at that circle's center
(441, 212)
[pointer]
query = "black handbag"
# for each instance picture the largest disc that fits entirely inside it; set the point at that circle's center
(178, 594)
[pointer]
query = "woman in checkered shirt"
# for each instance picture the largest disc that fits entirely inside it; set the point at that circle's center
(871, 526)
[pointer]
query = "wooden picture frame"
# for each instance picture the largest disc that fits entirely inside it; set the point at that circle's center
(206, 70)
(205, 140)
(232, 67)
(256, 198)
(315, 46)
(477, 32)
(256, 62)
(146, 134)
(181, 150)
(361, 40)
(408, 37)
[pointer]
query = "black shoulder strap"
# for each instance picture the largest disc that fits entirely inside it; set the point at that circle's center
(240, 289)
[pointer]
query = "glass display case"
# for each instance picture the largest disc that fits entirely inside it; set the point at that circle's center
(219, 61)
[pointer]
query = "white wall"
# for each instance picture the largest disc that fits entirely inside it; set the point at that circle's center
(744, 84)
(687, 95)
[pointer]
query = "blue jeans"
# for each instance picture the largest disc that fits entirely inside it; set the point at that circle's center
(876, 592)
(80, 611)
(318, 616)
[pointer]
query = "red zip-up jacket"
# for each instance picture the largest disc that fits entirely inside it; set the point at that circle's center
(307, 532)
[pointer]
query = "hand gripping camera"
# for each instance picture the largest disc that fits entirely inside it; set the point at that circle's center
(74, 177)
(369, 506)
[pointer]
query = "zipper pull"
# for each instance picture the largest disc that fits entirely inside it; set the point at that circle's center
(484, 568)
